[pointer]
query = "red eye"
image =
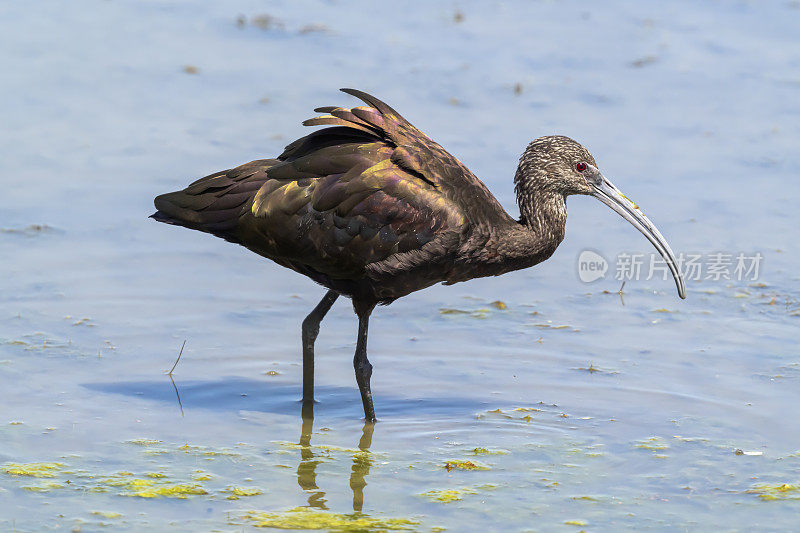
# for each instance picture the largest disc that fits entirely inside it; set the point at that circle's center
(580, 167)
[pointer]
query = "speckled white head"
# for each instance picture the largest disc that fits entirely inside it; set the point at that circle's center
(555, 166)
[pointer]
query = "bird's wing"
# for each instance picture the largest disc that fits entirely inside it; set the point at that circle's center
(417, 154)
(338, 203)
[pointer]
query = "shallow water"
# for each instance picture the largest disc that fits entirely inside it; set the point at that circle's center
(500, 419)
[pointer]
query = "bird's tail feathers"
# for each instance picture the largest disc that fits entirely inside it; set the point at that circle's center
(215, 203)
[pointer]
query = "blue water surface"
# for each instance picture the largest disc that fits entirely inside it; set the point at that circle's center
(581, 408)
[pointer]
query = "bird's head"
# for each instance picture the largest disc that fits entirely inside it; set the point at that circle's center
(559, 166)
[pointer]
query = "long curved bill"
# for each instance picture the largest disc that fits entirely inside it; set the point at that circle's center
(606, 192)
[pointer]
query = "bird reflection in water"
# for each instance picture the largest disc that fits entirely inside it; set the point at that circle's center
(307, 469)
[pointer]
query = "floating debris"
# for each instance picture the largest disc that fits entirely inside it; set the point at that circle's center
(643, 61)
(265, 22)
(29, 231)
(595, 370)
(549, 325)
(190, 69)
(314, 28)
(739, 451)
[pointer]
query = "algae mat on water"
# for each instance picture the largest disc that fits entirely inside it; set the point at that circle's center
(306, 518)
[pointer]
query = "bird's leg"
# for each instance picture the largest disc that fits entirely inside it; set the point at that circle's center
(360, 362)
(310, 332)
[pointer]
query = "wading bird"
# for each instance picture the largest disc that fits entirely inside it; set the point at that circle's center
(373, 209)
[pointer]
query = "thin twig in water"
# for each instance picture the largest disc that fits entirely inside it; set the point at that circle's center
(178, 394)
(176, 360)
(621, 293)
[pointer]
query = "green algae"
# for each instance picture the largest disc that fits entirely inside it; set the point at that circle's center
(33, 469)
(451, 311)
(454, 495)
(579, 523)
(328, 449)
(477, 313)
(144, 442)
(149, 488)
(527, 413)
(109, 515)
(43, 487)
(587, 451)
(154, 447)
(206, 451)
(150, 485)
(310, 519)
(487, 451)
(234, 493)
(144, 488)
(464, 465)
(585, 498)
(549, 325)
(776, 491)
(653, 444)
(448, 495)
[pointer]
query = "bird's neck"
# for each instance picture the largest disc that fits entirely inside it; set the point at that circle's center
(543, 218)
(514, 245)
(543, 212)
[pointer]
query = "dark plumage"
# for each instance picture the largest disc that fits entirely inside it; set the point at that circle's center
(373, 209)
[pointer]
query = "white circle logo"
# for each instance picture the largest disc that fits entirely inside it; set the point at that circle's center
(591, 266)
